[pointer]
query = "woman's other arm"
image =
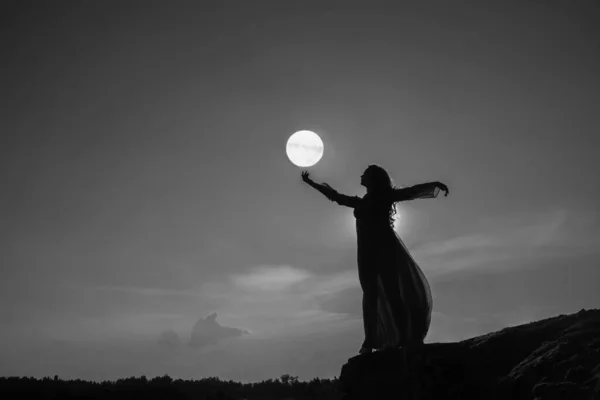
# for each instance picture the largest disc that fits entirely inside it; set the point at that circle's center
(331, 193)
(421, 191)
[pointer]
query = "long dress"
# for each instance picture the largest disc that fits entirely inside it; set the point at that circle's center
(397, 299)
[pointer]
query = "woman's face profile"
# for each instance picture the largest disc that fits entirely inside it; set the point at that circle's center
(365, 178)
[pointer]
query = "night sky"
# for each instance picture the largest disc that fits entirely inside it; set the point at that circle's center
(145, 184)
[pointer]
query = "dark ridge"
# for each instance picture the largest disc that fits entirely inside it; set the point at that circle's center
(553, 358)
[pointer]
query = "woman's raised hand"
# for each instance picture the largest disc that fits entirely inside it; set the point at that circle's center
(443, 188)
(306, 177)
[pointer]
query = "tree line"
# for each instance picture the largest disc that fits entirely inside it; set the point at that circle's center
(165, 387)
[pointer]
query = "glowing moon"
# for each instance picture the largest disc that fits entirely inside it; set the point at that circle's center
(304, 148)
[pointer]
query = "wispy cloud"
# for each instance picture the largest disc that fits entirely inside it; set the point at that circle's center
(271, 300)
(456, 244)
(495, 241)
(269, 278)
(146, 291)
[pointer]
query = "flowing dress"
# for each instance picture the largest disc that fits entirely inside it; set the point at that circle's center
(397, 299)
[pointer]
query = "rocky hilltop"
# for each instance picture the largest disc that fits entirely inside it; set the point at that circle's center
(555, 358)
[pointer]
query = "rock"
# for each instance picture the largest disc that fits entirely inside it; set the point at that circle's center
(561, 391)
(578, 374)
(558, 356)
(373, 375)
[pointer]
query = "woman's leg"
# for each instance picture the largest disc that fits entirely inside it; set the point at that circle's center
(399, 299)
(368, 282)
(398, 306)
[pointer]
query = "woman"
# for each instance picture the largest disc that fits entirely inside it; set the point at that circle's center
(396, 296)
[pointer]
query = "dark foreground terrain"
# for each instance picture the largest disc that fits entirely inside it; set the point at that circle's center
(555, 358)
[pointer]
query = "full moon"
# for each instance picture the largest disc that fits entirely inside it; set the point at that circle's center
(304, 148)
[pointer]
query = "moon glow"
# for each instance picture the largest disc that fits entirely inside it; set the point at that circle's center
(304, 148)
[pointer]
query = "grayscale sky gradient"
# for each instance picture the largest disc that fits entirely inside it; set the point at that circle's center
(145, 184)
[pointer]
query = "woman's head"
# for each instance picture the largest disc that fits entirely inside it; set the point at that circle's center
(377, 180)
(376, 177)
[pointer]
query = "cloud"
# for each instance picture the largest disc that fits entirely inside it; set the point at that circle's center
(267, 278)
(147, 291)
(499, 242)
(453, 328)
(456, 244)
(169, 340)
(208, 331)
(279, 300)
(347, 301)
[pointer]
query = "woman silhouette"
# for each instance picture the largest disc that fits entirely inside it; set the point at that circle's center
(396, 295)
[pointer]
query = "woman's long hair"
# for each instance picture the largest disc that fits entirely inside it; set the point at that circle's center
(382, 183)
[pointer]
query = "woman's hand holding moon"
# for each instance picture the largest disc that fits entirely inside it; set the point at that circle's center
(306, 177)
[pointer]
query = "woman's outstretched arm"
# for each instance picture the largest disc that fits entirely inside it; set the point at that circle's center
(331, 193)
(420, 191)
